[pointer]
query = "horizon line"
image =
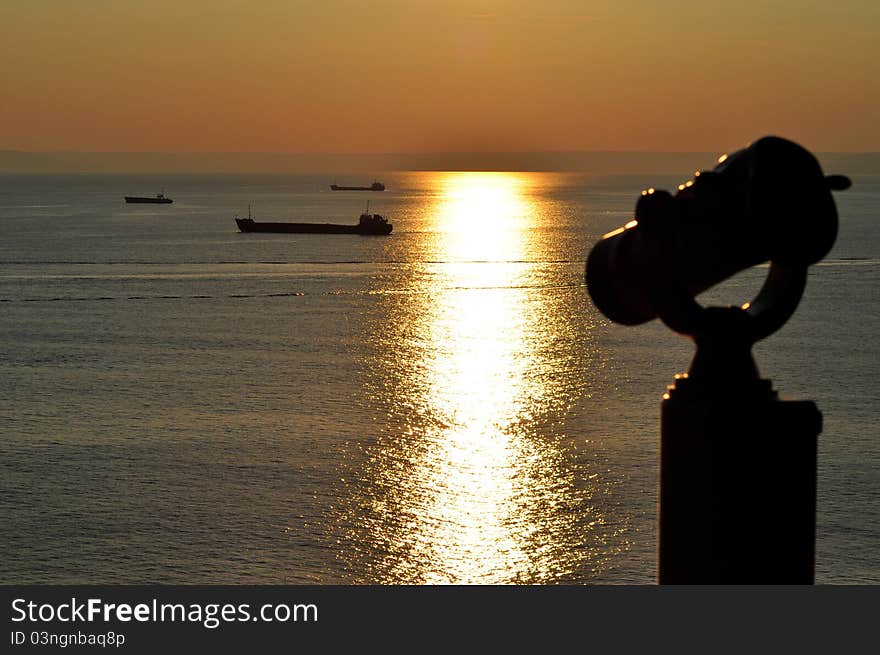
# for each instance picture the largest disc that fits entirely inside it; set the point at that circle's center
(395, 153)
(600, 162)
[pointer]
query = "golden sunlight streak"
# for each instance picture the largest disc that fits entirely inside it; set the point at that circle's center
(485, 494)
(471, 478)
(477, 386)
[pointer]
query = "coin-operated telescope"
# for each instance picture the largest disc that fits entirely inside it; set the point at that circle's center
(737, 465)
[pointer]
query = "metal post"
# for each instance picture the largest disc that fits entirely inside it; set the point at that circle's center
(737, 486)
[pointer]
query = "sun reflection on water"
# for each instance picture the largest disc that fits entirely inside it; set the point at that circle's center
(476, 485)
(481, 216)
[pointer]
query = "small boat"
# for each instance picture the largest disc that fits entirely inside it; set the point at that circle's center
(158, 199)
(367, 225)
(375, 186)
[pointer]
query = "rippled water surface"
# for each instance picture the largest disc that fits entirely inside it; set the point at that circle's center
(185, 403)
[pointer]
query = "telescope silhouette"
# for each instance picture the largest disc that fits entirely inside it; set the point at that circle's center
(737, 465)
(767, 202)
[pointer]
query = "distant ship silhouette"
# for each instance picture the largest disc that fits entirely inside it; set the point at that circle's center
(375, 186)
(158, 199)
(368, 225)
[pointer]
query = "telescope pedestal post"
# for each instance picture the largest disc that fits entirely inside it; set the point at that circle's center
(737, 465)
(737, 485)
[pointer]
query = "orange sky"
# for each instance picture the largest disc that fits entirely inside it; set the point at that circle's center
(443, 75)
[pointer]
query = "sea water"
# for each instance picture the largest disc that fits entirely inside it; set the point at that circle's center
(183, 403)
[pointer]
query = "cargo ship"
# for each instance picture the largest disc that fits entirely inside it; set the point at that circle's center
(158, 199)
(375, 186)
(367, 225)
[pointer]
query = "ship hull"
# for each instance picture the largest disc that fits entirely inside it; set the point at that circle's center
(247, 225)
(152, 201)
(334, 187)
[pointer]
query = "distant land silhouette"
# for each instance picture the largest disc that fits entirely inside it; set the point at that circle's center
(598, 162)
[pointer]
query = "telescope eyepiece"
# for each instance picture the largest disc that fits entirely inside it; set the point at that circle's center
(838, 182)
